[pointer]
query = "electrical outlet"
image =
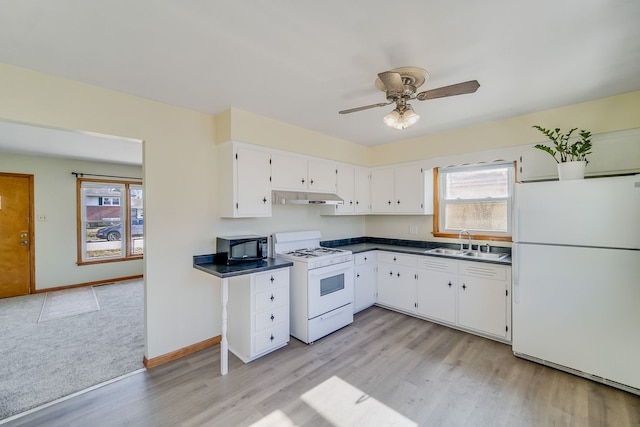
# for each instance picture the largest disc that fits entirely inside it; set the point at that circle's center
(413, 229)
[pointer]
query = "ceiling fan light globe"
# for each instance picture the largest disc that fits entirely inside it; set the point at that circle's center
(392, 119)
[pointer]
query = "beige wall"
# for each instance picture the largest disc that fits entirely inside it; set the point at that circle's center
(180, 178)
(602, 115)
(55, 238)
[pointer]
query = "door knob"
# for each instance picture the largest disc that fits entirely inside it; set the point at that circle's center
(24, 243)
(23, 235)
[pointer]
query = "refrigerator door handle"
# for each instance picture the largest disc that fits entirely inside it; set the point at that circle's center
(515, 270)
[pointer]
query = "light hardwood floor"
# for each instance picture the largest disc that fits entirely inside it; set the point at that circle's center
(384, 369)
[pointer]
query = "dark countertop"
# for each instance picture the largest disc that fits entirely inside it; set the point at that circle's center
(205, 263)
(364, 244)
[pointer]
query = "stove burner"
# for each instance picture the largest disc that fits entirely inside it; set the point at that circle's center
(314, 252)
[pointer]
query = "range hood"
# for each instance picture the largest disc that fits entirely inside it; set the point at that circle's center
(305, 198)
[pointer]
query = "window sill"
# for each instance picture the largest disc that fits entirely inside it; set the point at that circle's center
(104, 261)
(491, 238)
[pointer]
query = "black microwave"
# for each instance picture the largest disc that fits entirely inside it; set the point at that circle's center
(239, 249)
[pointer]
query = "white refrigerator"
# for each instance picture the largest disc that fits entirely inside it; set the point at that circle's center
(576, 277)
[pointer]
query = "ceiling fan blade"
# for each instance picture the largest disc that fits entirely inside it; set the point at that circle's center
(392, 81)
(457, 89)
(366, 107)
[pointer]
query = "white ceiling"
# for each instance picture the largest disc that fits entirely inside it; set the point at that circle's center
(301, 62)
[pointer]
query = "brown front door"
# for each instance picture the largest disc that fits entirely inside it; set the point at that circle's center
(16, 229)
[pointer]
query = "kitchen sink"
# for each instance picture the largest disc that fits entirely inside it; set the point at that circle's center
(467, 253)
(445, 251)
(485, 255)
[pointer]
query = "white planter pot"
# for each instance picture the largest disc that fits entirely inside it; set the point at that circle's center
(571, 170)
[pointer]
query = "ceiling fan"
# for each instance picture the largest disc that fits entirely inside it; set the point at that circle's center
(400, 86)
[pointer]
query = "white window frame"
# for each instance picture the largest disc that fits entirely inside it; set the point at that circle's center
(442, 202)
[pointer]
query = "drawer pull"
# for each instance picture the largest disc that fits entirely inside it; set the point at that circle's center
(272, 298)
(272, 279)
(272, 317)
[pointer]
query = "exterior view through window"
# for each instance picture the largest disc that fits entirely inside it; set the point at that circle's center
(110, 220)
(476, 198)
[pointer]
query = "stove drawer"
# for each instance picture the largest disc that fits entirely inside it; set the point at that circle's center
(274, 336)
(329, 322)
(272, 298)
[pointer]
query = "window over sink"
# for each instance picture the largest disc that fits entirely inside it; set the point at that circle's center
(476, 198)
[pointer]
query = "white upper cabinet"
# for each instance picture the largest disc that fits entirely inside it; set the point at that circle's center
(613, 153)
(244, 181)
(289, 172)
(405, 189)
(382, 190)
(322, 176)
(346, 189)
(353, 186)
(297, 173)
(362, 190)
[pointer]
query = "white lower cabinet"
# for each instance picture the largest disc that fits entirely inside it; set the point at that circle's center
(397, 281)
(484, 298)
(437, 288)
(258, 313)
(365, 289)
(471, 296)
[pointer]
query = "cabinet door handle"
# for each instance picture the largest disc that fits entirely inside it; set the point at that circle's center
(272, 317)
(272, 338)
(389, 202)
(398, 201)
(272, 298)
(391, 273)
(365, 258)
(264, 200)
(394, 259)
(357, 202)
(449, 284)
(357, 275)
(398, 274)
(303, 180)
(350, 202)
(311, 181)
(272, 279)
(464, 286)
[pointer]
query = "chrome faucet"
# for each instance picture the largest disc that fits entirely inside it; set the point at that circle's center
(486, 245)
(460, 238)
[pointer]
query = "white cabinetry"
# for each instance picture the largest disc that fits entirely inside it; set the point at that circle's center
(244, 181)
(613, 153)
(405, 189)
(362, 190)
(437, 288)
(258, 320)
(397, 281)
(292, 172)
(354, 187)
(365, 280)
(484, 298)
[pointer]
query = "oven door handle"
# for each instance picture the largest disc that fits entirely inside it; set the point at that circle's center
(331, 270)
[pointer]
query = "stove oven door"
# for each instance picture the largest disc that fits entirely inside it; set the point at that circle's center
(330, 287)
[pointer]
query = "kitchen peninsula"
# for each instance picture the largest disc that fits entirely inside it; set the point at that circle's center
(224, 272)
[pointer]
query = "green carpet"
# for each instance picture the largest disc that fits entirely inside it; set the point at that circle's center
(42, 362)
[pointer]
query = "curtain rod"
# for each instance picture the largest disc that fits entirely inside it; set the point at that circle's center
(81, 174)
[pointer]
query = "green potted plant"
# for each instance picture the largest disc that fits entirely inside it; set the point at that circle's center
(571, 157)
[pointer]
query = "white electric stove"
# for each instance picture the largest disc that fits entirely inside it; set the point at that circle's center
(321, 284)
